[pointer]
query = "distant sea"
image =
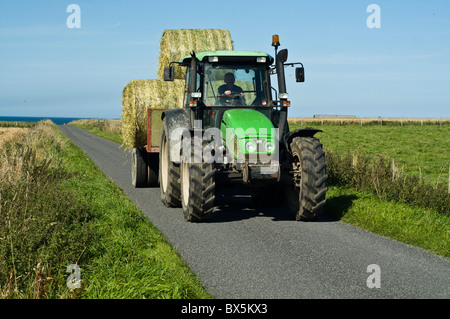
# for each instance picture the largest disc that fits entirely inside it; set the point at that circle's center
(56, 120)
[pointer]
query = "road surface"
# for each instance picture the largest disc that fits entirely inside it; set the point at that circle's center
(259, 253)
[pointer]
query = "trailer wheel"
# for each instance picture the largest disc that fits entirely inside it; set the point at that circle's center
(306, 197)
(169, 173)
(138, 168)
(152, 161)
(197, 188)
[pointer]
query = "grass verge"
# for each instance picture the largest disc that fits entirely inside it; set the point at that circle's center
(419, 227)
(109, 129)
(58, 209)
(131, 258)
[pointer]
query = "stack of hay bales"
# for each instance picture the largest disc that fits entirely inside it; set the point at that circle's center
(139, 95)
(178, 43)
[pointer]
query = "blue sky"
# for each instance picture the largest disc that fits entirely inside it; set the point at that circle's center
(399, 70)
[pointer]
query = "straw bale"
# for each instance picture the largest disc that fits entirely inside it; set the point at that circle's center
(137, 97)
(177, 43)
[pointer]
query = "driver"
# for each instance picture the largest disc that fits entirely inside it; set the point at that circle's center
(228, 88)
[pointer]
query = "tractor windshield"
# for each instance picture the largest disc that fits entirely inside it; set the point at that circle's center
(235, 85)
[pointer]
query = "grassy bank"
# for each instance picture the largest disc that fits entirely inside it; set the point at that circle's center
(58, 209)
(419, 227)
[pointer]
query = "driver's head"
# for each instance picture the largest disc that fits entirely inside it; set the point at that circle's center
(229, 78)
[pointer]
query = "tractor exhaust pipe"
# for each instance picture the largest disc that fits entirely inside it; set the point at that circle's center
(281, 57)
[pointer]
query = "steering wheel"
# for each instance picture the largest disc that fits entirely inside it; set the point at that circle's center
(233, 95)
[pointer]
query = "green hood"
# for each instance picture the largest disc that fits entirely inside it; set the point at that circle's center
(250, 121)
(244, 125)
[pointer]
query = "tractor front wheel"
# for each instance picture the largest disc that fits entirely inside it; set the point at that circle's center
(306, 195)
(197, 188)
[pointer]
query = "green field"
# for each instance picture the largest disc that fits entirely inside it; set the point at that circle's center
(425, 149)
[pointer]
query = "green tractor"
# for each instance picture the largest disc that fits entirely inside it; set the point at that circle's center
(232, 130)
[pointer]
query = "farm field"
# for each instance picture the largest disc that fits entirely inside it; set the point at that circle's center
(420, 150)
(8, 130)
(8, 133)
(419, 147)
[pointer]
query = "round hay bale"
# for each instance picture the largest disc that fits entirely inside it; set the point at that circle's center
(137, 97)
(177, 43)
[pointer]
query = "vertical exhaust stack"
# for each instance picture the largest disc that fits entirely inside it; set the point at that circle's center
(280, 58)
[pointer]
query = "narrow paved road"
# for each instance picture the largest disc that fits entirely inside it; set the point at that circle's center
(247, 252)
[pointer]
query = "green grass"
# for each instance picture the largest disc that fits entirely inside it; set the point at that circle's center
(112, 136)
(130, 258)
(57, 208)
(412, 225)
(429, 144)
(17, 124)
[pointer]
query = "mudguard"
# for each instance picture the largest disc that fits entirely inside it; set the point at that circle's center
(176, 118)
(178, 125)
(301, 132)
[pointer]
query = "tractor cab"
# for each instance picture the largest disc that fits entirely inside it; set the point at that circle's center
(219, 80)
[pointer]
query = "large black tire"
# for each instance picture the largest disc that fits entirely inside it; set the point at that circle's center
(138, 168)
(198, 184)
(306, 200)
(169, 173)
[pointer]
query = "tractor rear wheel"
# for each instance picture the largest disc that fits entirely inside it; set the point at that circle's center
(197, 188)
(306, 196)
(169, 173)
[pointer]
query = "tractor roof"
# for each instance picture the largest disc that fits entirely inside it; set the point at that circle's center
(202, 56)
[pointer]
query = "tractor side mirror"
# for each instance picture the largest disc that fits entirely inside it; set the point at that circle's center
(169, 73)
(300, 74)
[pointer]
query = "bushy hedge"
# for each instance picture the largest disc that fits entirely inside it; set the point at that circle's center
(380, 176)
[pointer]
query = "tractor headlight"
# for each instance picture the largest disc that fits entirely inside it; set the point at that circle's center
(250, 146)
(269, 146)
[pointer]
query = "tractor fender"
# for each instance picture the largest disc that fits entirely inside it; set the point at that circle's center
(301, 132)
(176, 118)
